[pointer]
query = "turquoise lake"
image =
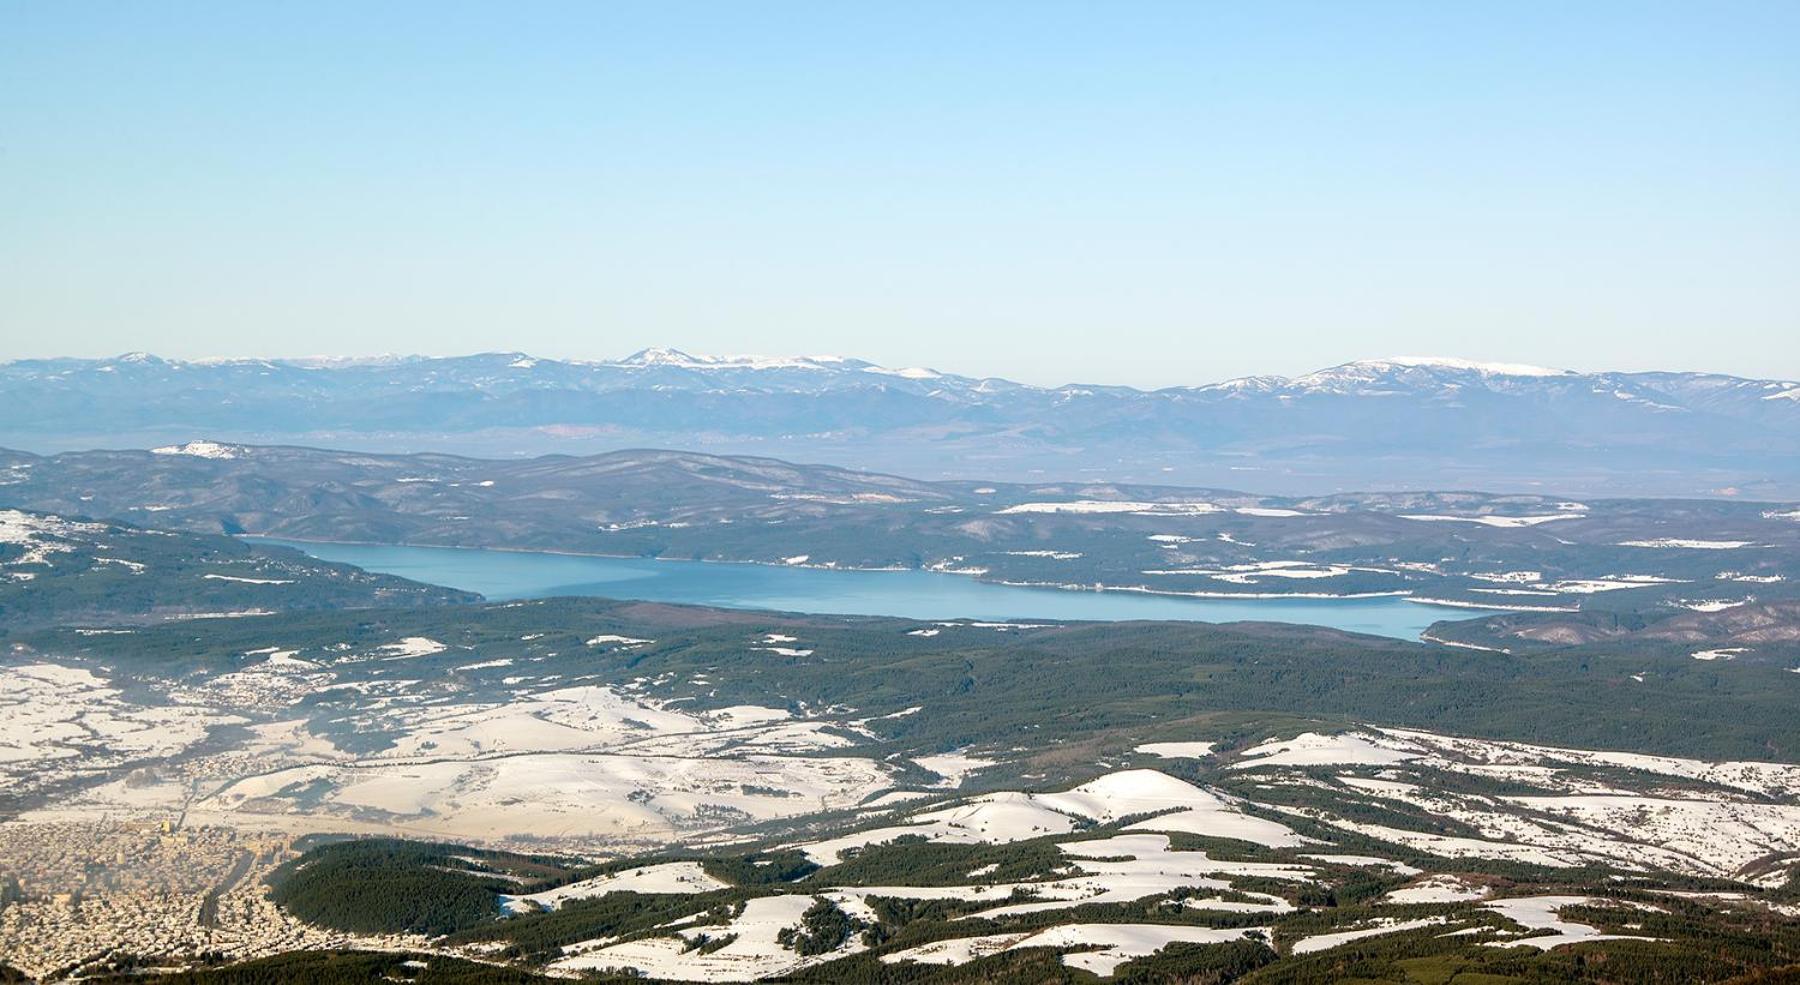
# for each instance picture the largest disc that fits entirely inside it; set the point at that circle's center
(503, 575)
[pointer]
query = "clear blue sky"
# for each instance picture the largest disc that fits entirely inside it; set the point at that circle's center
(1118, 192)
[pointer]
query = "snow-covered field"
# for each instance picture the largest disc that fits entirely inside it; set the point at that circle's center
(1545, 913)
(1711, 833)
(38, 537)
(1250, 574)
(1488, 520)
(586, 764)
(668, 877)
(1015, 816)
(1119, 869)
(1716, 823)
(1102, 947)
(1325, 942)
(59, 723)
(754, 951)
(590, 764)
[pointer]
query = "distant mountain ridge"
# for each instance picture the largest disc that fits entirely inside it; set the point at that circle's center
(1405, 422)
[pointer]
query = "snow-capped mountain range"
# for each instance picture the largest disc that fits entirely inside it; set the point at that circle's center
(1405, 421)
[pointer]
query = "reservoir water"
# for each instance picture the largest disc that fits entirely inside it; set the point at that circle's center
(504, 575)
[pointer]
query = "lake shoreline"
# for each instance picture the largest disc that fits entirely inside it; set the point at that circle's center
(1098, 587)
(506, 574)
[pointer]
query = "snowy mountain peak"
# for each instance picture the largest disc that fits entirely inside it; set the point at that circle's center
(1249, 384)
(1388, 375)
(1365, 370)
(1414, 372)
(1468, 365)
(659, 356)
(667, 358)
(908, 373)
(200, 449)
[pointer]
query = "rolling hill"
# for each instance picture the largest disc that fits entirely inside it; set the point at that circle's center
(73, 571)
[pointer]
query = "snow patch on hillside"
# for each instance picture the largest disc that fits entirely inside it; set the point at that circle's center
(200, 449)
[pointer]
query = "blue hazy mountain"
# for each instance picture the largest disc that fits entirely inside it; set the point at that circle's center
(1390, 423)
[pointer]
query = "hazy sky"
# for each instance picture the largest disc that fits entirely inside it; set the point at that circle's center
(1118, 192)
